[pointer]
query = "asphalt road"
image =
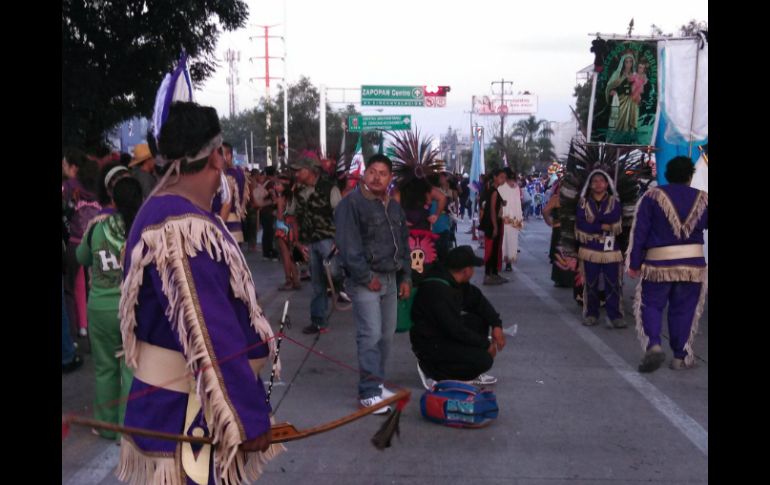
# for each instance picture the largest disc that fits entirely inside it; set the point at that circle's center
(573, 409)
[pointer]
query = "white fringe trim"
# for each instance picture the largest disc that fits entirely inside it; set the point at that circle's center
(94, 221)
(585, 237)
(168, 245)
(601, 257)
(237, 199)
(590, 217)
(690, 357)
(681, 230)
(698, 208)
(640, 333)
(631, 236)
(674, 273)
(136, 468)
(582, 270)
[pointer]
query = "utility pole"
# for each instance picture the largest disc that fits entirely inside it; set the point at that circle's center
(251, 134)
(285, 90)
(232, 57)
(503, 107)
(322, 121)
(267, 79)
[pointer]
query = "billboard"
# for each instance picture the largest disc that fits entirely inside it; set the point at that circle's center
(490, 104)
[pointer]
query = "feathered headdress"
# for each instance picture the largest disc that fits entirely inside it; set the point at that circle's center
(414, 157)
(176, 86)
(633, 176)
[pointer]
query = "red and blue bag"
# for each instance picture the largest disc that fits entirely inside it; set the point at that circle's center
(459, 405)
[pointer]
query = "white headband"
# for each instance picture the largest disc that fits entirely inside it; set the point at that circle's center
(204, 152)
(112, 173)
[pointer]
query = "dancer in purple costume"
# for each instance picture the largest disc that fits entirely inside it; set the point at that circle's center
(666, 249)
(598, 221)
(191, 324)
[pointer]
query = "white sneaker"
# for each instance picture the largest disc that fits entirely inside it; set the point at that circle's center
(484, 380)
(83, 332)
(365, 403)
(427, 382)
(343, 297)
(386, 393)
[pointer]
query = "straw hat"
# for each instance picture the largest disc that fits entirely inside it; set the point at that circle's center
(141, 153)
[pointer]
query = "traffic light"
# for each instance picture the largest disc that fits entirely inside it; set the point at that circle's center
(437, 90)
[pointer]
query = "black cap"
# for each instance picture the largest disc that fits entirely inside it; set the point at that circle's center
(462, 257)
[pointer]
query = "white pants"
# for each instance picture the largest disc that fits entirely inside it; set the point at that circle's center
(510, 243)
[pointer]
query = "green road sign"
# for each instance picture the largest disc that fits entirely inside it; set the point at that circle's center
(387, 122)
(392, 96)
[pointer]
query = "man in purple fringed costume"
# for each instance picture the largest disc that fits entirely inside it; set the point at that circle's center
(234, 211)
(597, 222)
(192, 328)
(666, 249)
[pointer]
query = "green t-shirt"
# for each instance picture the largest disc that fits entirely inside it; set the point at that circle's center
(102, 250)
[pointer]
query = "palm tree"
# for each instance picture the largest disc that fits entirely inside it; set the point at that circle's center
(528, 129)
(513, 149)
(545, 148)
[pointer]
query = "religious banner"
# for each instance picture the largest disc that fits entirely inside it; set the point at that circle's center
(626, 98)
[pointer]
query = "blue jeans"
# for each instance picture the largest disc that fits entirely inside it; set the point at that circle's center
(320, 302)
(375, 315)
(67, 348)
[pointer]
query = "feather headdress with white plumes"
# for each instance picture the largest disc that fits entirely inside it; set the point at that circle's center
(176, 86)
(633, 177)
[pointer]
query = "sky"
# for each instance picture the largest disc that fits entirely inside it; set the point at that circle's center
(539, 45)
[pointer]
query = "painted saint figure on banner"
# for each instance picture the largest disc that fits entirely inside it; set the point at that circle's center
(624, 113)
(626, 95)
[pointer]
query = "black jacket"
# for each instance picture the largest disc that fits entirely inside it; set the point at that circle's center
(437, 311)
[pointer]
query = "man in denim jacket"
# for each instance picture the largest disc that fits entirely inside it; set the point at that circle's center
(372, 239)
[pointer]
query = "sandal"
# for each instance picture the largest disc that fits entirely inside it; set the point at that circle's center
(651, 361)
(678, 364)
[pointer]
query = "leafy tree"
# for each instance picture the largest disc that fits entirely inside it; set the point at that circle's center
(304, 125)
(545, 152)
(583, 103)
(115, 54)
(693, 27)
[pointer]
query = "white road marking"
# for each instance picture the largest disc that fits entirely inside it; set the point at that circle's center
(681, 420)
(96, 470)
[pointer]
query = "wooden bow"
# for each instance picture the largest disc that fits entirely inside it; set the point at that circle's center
(280, 433)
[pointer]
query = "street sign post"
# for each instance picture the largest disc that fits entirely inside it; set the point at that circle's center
(392, 95)
(385, 123)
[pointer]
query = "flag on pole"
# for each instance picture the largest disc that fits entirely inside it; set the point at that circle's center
(357, 164)
(482, 163)
(477, 161)
(505, 159)
(341, 161)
